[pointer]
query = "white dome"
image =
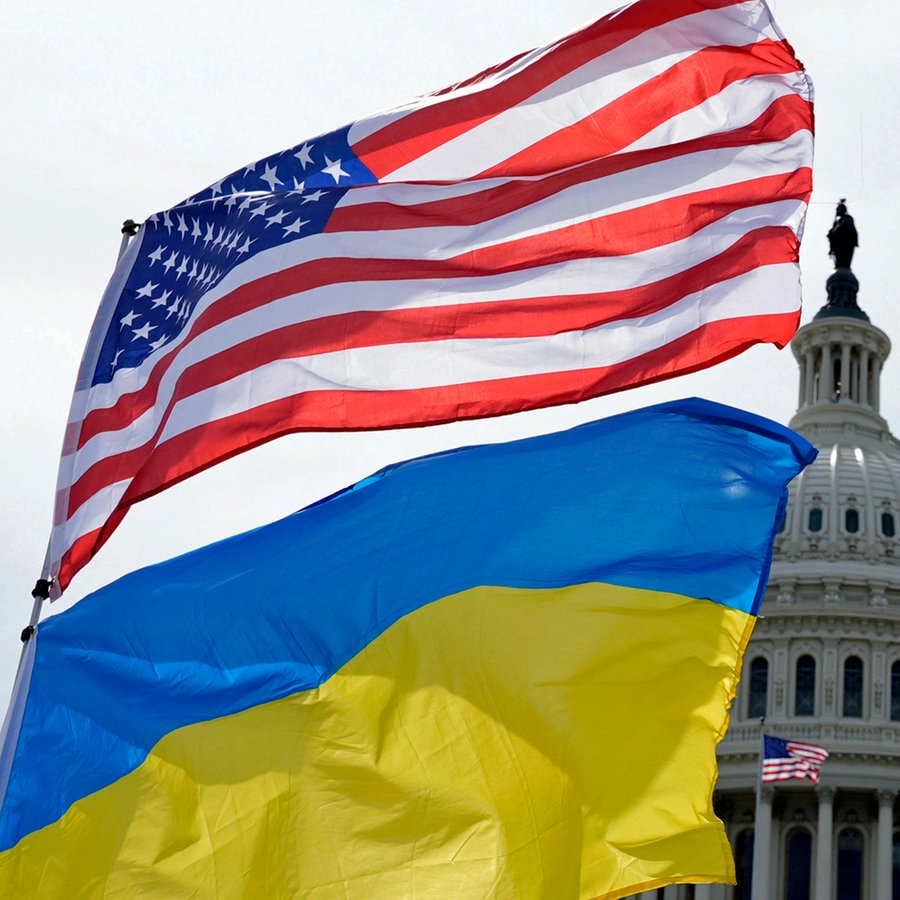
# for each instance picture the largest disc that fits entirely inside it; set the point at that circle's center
(845, 507)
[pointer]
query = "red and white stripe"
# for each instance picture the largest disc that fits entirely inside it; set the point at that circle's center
(620, 207)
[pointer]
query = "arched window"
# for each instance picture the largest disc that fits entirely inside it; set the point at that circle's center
(798, 865)
(887, 525)
(815, 519)
(759, 688)
(851, 521)
(743, 864)
(850, 865)
(805, 687)
(853, 687)
(895, 692)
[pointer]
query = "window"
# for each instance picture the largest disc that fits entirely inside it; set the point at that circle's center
(759, 688)
(798, 867)
(850, 865)
(887, 525)
(815, 519)
(851, 521)
(853, 687)
(805, 687)
(895, 879)
(743, 864)
(895, 692)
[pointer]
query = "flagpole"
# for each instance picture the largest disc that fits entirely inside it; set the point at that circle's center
(129, 230)
(41, 590)
(758, 891)
(9, 732)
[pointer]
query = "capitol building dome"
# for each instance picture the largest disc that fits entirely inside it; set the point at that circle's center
(823, 665)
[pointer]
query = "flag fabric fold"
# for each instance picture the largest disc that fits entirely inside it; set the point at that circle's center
(615, 208)
(496, 671)
(784, 760)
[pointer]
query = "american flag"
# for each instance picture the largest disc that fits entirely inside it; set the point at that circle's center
(615, 208)
(784, 760)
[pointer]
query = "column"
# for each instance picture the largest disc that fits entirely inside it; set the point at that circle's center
(845, 372)
(885, 849)
(809, 377)
(826, 376)
(762, 844)
(876, 386)
(864, 377)
(824, 843)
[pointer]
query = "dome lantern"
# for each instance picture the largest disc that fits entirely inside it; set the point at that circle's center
(840, 353)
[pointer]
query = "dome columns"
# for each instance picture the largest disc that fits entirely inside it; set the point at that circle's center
(840, 360)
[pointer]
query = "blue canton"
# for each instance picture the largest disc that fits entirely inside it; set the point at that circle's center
(187, 250)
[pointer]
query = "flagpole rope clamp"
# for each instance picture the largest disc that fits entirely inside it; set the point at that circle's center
(40, 593)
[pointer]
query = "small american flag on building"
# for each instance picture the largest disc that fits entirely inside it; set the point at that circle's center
(783, 760)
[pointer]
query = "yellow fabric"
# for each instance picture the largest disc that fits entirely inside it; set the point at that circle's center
(498, 743)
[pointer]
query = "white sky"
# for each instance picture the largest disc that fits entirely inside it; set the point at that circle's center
(111, 111)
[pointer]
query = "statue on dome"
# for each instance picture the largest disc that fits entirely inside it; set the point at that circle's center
(842, 237)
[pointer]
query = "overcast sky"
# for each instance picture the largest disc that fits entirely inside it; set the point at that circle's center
(114, 111)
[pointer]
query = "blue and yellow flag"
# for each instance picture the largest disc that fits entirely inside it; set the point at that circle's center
(498, 671)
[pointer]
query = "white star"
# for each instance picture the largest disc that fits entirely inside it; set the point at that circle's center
(234, 241)
(182, 228)
(194, 269)
(183, 267)
(219, 237)
(250, 168)
(270, 177)
(162, 299)
(173, 309)
(303, 154)
(314, 197)
(155, 345)
(277, 219)
(195, 231)
(265, 207)
(230, 200)
(299, 185)
(128, 321)
(147, 289)
(245, 247)
(217, 187)
(210, 233)
(156, 255)
(171, 261)
(334, 169)
(167, 221)
(143, 332)
(115, 362)
(295, 228)
(250, 198)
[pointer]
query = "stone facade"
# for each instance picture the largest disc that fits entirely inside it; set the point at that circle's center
(824, 661)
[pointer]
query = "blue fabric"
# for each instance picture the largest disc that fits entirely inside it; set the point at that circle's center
(683, 497)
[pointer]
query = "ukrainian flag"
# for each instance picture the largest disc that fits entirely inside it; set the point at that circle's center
(500, 671)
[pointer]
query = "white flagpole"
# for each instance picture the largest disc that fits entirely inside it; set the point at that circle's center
(9, 735)
(759, 877)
